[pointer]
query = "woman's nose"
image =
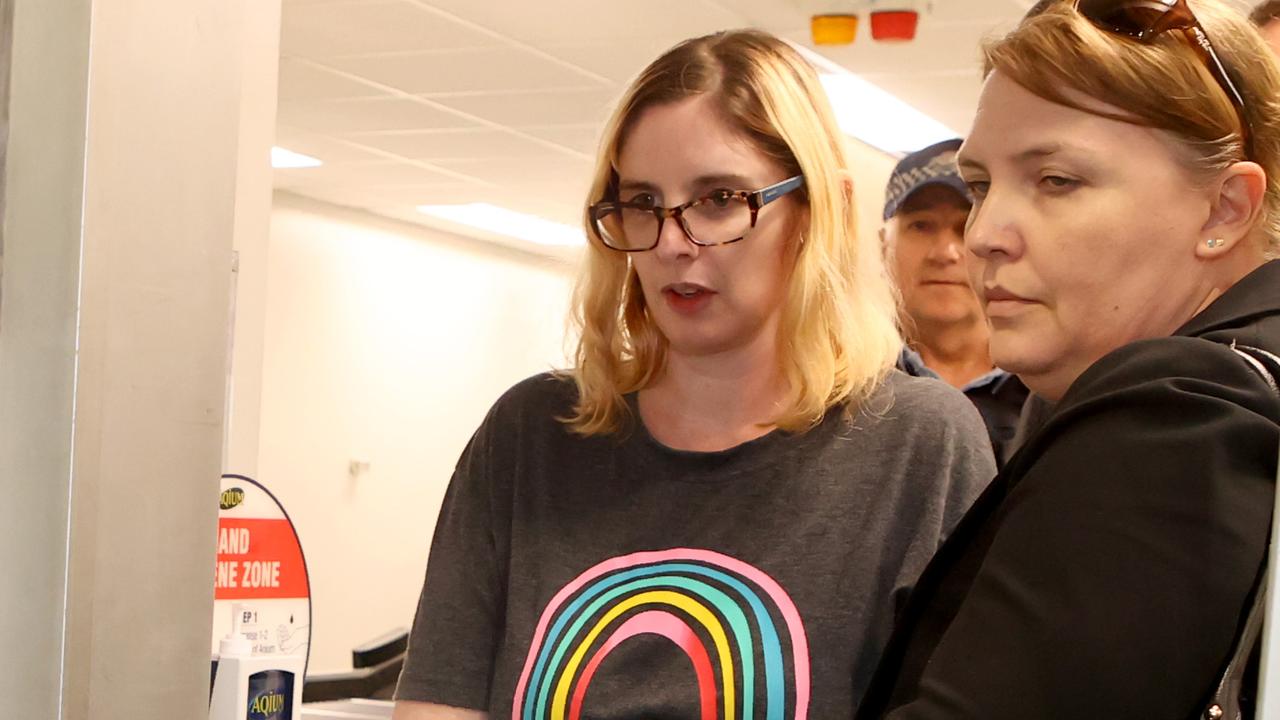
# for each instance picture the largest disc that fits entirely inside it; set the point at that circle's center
(991, 230)
(674, 242)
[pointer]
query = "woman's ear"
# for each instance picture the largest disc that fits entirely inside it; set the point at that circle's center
(1237, 201)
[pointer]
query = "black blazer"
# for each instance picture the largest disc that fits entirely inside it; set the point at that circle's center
(1105, 571)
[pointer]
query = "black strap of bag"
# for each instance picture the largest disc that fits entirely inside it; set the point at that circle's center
(1225, 704)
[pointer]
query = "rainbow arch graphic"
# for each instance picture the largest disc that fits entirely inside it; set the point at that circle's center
(721, 612)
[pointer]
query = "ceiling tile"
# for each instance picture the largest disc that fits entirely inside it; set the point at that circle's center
(436, 194)
(583, 138)
(778, 16)
(408, 196)
(325, 149)
(382, 26)
(566, 209)
(457, 145)
(953, 12)
(354, 175)
(366, 115)
(617, 61)
(335, 195)
(547, 174)
(536, 107)
(543, 23)
(496, 69)
(287, 3)
(303, 81)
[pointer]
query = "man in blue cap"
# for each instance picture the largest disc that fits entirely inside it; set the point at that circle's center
(926, 206)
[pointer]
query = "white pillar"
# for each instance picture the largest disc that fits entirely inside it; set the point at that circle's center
(120, 212)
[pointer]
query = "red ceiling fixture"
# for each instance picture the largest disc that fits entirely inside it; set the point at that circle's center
(894, 25)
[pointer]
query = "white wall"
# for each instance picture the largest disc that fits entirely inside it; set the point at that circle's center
(385, 343)
(871, 169)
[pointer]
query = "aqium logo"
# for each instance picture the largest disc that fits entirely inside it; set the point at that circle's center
(231, 497)
(267, 705)
(271, 695)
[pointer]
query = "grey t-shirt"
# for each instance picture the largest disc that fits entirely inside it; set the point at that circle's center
(615, 577)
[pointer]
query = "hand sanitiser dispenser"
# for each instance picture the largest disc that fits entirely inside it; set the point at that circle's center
(249, 686)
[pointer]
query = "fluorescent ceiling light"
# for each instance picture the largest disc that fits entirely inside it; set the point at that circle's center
(879, 118)
(502, 221)
(287, 159)
(873, 115)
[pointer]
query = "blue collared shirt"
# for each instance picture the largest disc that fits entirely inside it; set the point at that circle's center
(913, 364)
(998, 395)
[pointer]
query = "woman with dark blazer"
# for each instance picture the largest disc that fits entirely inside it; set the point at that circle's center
(1125, 163)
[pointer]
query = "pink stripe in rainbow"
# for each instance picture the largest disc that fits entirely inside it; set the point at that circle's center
(656, 622)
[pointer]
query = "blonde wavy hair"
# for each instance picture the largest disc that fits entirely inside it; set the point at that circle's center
(838, 336)
(1163, 84)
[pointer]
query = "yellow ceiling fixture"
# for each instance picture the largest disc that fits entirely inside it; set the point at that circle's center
(833, 29)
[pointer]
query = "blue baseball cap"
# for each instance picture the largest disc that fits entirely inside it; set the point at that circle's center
(934, 165)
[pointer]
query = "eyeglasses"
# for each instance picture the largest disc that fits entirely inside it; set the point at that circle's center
(720, 218)
(1145, 19)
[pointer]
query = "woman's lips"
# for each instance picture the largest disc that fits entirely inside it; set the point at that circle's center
(1001, 303)
(687, 298)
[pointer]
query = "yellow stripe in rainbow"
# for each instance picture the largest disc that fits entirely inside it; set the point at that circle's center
(661, 597)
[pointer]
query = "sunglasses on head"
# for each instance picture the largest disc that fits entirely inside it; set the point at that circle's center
(1145, 19)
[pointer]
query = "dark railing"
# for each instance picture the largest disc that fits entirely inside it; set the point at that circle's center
(376, 666)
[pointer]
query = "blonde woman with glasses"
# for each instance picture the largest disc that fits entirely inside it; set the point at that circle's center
(712, 514)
